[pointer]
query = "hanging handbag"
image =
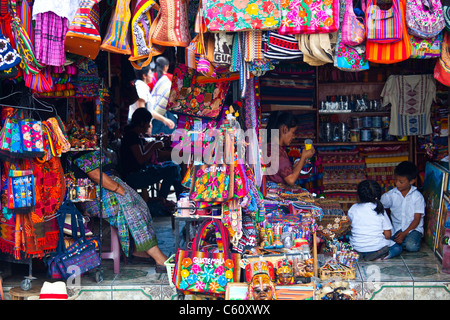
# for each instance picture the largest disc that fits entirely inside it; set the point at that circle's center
(21, 193)
(428, 48)
(424, 18)
(223, 42)
(142, 48)
(384, 26)
(353, 30)
(190, 97)
(117, 36)
(83, 36)
(441, 75)
(171, 24)
(11, 146)
(193, 51)
(39, 82)
(81, 256)
(32, 138)
(9, 57)
(246, 15)
(446, 13)
(201, 271)
(387, 53)
(212, 183)
(301, 16)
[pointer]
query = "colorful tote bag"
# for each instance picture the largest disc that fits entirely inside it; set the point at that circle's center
(387, 53)
(201, 271)
(350, 58)
(83, 37)
(304, 16)
(353, 30)
(117, 37)
(212, 183)
(192, 97)
(384, 26)
(424, 18)
(8, 55)
(426, 48)
(241, 15)
(171, 24)
(21, 194)
(142, 47)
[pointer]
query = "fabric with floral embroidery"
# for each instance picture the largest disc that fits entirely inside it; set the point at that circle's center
(241, 15)
(309, 16)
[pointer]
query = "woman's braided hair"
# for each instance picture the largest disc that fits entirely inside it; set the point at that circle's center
(370, 191)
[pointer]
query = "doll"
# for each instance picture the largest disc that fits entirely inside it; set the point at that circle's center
(285, 273)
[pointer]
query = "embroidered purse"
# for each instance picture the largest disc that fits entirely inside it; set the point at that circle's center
(241, 15)
(350, 58)
(212, 183)
(201, 271)
(353, 31)
(83, 37)
(21, 194)
(9, 57)
(426, 48)
(192, 97)
(384, 26)
(300, 16)
(424, 18)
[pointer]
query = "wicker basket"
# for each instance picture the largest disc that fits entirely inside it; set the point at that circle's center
(170, 266)
(344, 274)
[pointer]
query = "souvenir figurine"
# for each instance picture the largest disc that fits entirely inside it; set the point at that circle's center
(285, 273)
(304, 270)
(260, 277)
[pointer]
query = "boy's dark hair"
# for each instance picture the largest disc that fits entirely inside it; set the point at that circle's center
(406, 169)
(370, 191)
(141, 115)
(140, 73)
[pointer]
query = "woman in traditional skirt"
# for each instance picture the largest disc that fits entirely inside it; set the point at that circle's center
(123, 207)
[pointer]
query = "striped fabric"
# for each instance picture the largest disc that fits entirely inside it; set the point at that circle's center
(393, 52)
(116, 38)
(83, 37)
(384, 26)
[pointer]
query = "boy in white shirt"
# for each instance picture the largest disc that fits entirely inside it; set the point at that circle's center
(407, 207)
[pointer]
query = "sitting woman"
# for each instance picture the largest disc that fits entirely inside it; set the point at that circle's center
(123, 208)
(140, 166)
(286, 124)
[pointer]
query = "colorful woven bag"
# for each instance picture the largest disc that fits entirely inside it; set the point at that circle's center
(300, 16)
(241, 15)
(212, 183)
(199, 270)
(83, 37)
(8, 55)
(171, 24)
(384, 26)
(142, 48)
(117, 37)
(387, 53)
(191, 97)
(424, 18)
(353, 31)
(426, 48)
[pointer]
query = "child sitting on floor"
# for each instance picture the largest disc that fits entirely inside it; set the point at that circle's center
(407, 207)
(371, 227)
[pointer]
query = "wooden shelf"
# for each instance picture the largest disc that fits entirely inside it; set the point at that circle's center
(362, 113)
(284, 107)
(361, 143)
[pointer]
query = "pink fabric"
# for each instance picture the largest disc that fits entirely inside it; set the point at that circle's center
(284, 169)
(49, 33)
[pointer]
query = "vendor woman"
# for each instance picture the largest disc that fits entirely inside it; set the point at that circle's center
(286, 124)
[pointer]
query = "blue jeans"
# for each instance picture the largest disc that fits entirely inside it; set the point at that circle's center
(394, 251)
(411, 242)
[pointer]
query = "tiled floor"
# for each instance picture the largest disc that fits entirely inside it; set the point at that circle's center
(411, 276)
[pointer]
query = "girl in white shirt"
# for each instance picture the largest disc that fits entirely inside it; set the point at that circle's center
(371, 227)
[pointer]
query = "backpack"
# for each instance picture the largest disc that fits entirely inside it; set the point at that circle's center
(424, 18)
